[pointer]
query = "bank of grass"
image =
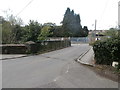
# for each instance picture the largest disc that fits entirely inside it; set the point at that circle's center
(106, 71)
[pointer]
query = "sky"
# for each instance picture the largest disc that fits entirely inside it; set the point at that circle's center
(43, 11)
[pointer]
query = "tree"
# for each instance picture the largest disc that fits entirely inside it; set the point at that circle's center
(84, 31)
(57, 31)
(11, 33)
(71, 23)
(45, 32)
(32, 31)
(52, 27)
(11, 18)
(10, 25)
(49, 24)
(112, 32)
(6, 32)
(17, 33)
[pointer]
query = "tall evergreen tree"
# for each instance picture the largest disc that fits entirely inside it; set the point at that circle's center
(71, 23)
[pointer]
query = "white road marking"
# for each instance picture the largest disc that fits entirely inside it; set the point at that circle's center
(56, 78)
(67, 69)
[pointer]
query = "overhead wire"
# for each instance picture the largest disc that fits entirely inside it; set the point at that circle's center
(106, 4)
(104, 10)
(24, 7)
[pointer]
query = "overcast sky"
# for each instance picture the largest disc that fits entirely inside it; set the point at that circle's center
(104, 11)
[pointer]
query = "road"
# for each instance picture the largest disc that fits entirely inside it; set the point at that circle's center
(56, 69)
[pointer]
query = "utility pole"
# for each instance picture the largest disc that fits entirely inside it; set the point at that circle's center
(95, 24)
(95, 27)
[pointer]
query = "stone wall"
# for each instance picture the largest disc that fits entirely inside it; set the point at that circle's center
(14, 49)
(32, 48)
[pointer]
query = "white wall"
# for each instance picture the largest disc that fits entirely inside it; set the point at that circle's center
(119, 14)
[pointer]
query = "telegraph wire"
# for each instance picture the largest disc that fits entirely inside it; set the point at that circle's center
(104, 10)
(101, 17)
(24, 7)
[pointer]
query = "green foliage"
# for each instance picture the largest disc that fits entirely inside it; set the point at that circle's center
(71, 23)
(50, 24)
(112, 32)
(11, 28)
(11, 33)
(32, 31)
(7, 32)
(57, 31)
(14, 32)
(84, 32)
(45, 32)
(107, 51)
(17, 33)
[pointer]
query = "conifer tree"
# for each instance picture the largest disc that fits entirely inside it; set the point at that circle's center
(71, 23)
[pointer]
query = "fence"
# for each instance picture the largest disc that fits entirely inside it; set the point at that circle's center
(75, 40)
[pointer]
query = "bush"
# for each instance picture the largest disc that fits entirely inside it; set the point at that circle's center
(107, 51)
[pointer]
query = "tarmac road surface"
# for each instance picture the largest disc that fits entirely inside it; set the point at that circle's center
(56, 69)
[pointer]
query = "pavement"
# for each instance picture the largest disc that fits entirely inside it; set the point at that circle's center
(11, 56)
(87, 58)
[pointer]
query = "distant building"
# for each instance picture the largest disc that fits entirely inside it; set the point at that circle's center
(119, 14)
(97, 31)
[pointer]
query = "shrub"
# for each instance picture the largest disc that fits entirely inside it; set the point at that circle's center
(107, 51)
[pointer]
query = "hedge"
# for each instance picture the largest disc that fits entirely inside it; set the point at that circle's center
(107, 51)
